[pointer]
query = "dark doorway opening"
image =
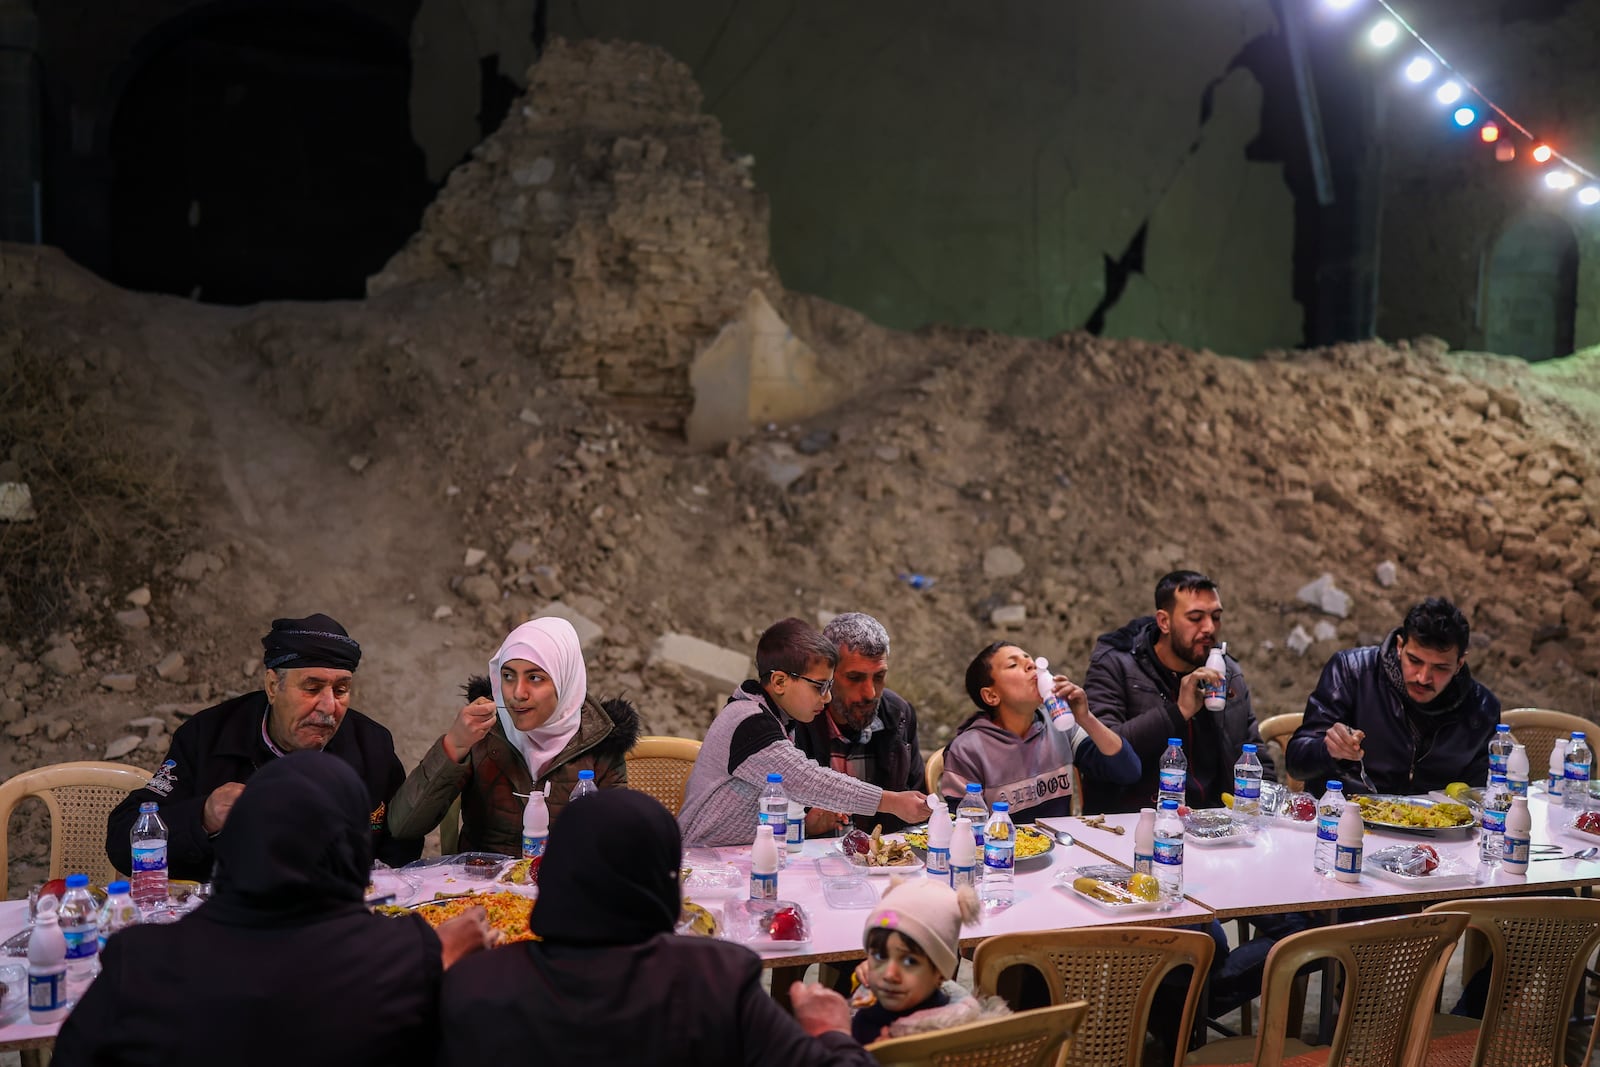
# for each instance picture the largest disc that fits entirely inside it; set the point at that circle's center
(265, 154)
(1530, 295)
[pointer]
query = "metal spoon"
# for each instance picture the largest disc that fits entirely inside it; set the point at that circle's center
(1582, 854)
(1063, 837)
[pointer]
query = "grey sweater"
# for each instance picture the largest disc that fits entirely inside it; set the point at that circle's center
(749, 739)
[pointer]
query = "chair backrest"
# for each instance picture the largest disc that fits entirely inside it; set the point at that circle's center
(1393, 969)
(1115, 969)
(1540, 946)
(1277, 729)
(660, 766)
(79, 796)
(1537, 730)
(1037, 1038)
(935, 771)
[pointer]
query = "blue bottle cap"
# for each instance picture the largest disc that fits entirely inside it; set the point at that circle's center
(117, 887)
(147, 808)
(774, 778)
(1001, 805)
(1334, 783)
(1249, 748)
(585, 776)
(77, 881)
(974, 787)
(1175, 742)
(1502, 728)
(1578, 735)
(1169, 805)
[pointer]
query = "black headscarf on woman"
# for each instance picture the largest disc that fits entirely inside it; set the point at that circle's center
(297, 844)
(610, 872)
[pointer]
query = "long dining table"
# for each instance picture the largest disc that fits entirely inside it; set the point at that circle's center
(1272, 873)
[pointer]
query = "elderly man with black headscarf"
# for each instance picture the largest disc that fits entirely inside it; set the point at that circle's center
(284, 965)
(610, 983)
(304, 704)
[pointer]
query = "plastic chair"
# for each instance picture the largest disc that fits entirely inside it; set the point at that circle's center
(79, 797)
(1540, 945)
(1277, 729)
(1393, 969)
(1115, 969)
(1037, 1038)
(660, 766)
(1538, 729)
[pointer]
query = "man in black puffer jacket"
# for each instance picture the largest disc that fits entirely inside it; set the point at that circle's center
(1407, 712)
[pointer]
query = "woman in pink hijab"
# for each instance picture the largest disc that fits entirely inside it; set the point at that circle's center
(529, 723)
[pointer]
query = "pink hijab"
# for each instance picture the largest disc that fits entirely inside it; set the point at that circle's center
(552, 644)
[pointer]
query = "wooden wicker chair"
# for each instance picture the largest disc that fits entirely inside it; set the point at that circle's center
(660, 766)
(1537, 730)
(78, 797)
(1276, 730)
(1038, 1038)
(1540, 946)
(1393, 969)
(1115, 969)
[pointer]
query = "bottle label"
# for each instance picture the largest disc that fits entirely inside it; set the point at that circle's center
(1347, 859)
(1058, 710)
(1172, 780)
(939, 861)
(763, 886)
(1144, 863)
(1516, 850)
(1577, 772)
(1497, 763)
(1246, 787)
(1494, 822)
(778, 822)
(963, 876)
(1169, 851)
(1328, 828)
(47, 992)
(999, 855)
(1557, 785)
(82, 941)
(533, 848)
(795, 834)
(149, 858)
(1518, 786)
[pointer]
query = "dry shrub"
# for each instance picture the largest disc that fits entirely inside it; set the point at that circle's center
(107, 505)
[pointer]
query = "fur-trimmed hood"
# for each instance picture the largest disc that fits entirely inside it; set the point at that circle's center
(625, 726)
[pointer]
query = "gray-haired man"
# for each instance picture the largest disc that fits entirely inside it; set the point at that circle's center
(869, 732)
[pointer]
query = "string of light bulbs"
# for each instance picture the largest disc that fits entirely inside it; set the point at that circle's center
(1560, 172)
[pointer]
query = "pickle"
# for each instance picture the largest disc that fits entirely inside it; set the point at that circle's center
(1111, 894)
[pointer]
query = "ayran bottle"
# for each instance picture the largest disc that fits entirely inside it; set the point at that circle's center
(1517, 770)
(1144, 842)
(535, 833)
(1058, 710)
(795, 838)
(939, 835)
(48, 1000)
(1347, 855)
(1216, 693)
(963, 855)
(1518, 832)
(764, 865)
(1556, 784)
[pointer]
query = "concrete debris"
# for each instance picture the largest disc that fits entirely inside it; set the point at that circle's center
(1324, 595)
(1298, 640)
(1009, 616)
(473, 558)
(173, 668)
(589, 631)
(1324, 630)
(721, 669)
(479, 589)
(1002, 562)
(16, 502)
(119, 683)
(196, 565)
(1387, 573)
(63, 660)
(133, 619)
(140, 597)
(122, 746)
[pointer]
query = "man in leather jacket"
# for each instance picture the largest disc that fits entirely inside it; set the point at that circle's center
(1405, 716)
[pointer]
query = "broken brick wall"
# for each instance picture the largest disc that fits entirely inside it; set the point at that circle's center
(1449, 204)
(971, 164)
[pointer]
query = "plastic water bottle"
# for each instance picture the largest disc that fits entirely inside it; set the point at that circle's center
(975, 811)
(1174, 773)
(1347, 855)
(1169, 851)
(1578, 762)
(963, 854)
(939, 833)
(999, 858)
(1059, 711)
(774, 812)
(1492, 837)
(118, 912)
(764, 865)
(1216, 693)
(80, 925)
(1500, 749)
(535, 833)
(1518, 833)
(1555, 786)
(1329, 808)
(795, 837)
(48, 1000)
(149, 839)
(1144, 842)
(1517, 771)
(585, 786)
(1247, 788)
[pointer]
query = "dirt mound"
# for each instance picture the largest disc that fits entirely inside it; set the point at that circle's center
(448, 457)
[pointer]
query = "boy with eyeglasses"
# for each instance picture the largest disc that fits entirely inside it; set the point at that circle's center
(753, 736)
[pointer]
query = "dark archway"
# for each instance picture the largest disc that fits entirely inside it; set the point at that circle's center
(1531, 289)
(265, 154)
